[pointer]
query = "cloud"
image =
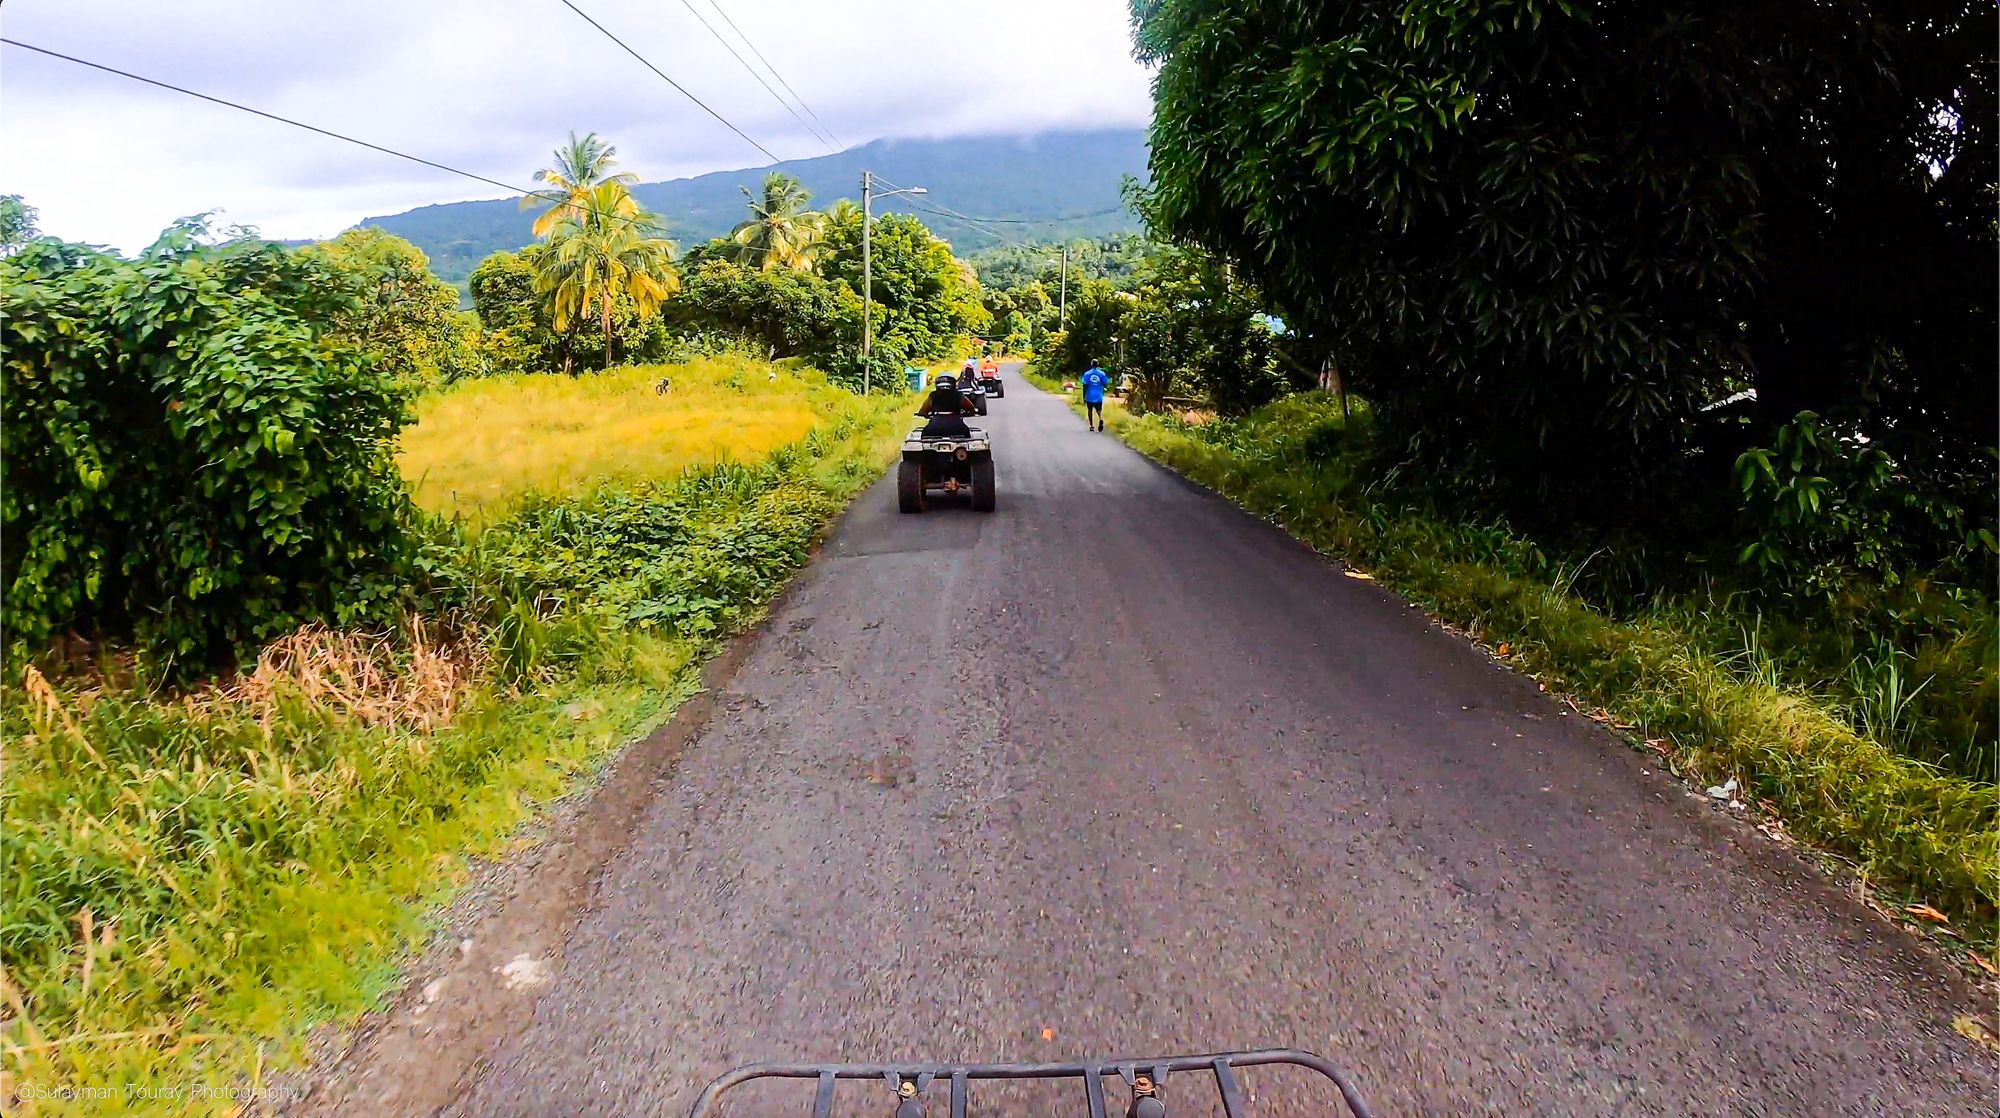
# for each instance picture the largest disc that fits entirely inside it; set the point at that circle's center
(491, 86)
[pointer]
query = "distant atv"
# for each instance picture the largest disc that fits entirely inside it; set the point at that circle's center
(946, 464)
(974, 390)
(989, 379)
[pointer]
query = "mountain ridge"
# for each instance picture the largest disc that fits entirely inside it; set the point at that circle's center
(1042, 186)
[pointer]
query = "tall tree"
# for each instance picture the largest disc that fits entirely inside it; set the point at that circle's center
(1548, 235)
(924, 298)
(601, 256)
(403, 314)
(576, 168)
(781, 232)
(844, 211)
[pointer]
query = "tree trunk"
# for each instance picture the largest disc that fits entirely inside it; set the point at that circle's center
(606, 316)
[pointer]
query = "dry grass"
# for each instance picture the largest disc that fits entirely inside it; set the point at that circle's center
(417, 682)
(480, 447)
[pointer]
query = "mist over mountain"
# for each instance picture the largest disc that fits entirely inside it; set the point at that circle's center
(1055, 184)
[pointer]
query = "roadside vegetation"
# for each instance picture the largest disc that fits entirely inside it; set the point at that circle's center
(317, 586)
(193, 878)
(1685, 403)
(1844, 755)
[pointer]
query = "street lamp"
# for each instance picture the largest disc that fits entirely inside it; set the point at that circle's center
(868, 277)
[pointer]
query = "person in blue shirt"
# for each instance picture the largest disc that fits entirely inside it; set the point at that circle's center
(1094, 381)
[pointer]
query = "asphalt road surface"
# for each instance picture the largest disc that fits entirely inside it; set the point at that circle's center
(1118, 770)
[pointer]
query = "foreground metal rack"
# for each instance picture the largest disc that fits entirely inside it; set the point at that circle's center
(1147, 1078)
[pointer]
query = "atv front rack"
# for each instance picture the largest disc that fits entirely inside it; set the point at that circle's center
(908, 1083)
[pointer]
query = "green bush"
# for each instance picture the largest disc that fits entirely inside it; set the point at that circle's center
(191, 463)
(407, 317)
(779, 313)
(1823, 508)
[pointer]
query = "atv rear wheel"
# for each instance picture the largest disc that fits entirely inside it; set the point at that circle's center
(982, 485)
(909, 487)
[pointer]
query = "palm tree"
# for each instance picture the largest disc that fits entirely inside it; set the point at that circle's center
(579, 165)
(844, 211)
(781, 232)
(601, 254)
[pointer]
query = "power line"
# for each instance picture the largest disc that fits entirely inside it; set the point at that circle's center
(1050, 220)
(979, 222)
(959, 219)
(753, 72)
(717, 5)
(969, 223)
(1033, 221)
(265, 115)
(950, 214)
(509, 187)
(663, 77)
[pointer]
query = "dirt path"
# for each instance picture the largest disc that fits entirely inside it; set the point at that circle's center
(1217, 796)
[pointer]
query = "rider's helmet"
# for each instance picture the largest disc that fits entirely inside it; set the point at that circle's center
(947, 382)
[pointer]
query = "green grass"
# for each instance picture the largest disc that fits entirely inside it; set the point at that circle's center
(191, 883)
(1828, 764)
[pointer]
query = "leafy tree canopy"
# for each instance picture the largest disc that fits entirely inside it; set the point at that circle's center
(1187, 325)
(925, 298)
(519, 333)
(784, 313)
(403, 314)
(1546, 235)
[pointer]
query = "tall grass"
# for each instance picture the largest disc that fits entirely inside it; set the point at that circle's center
(480, 447)
(1828, 748)
(191, 882)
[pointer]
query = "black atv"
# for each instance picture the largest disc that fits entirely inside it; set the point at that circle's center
(947, 463)
(974, 389)
(909, 1088)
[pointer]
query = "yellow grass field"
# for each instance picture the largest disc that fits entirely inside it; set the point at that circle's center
(479, 447)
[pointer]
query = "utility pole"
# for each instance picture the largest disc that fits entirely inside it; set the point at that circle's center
(867, 284)
(1062, 305)
(868, 276)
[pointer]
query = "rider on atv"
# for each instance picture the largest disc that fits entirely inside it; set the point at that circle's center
(945, 411)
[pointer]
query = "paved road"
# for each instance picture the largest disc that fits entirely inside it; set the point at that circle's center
(1219, 795)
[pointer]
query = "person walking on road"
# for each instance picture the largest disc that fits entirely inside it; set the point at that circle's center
(1094, 381)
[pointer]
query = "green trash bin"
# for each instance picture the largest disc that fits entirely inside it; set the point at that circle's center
(916, 376)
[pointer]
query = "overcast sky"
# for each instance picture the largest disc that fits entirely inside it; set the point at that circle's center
(490, 86)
